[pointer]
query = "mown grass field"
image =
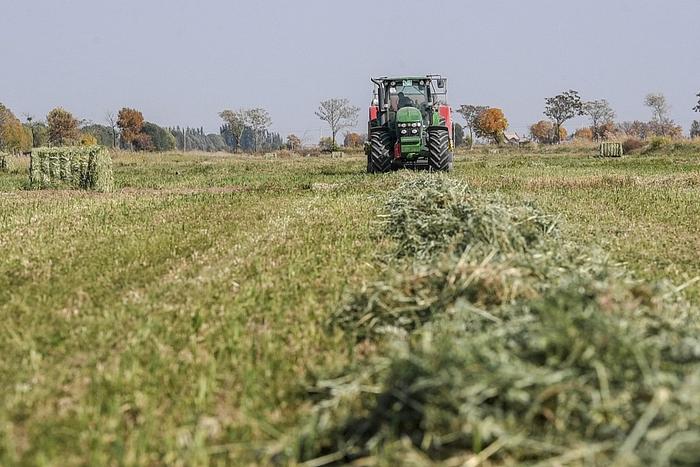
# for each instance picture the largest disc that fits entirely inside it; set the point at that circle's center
(179, 319)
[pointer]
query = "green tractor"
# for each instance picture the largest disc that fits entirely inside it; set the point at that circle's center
(410, 125)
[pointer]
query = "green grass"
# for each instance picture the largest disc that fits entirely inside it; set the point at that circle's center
(179, 318)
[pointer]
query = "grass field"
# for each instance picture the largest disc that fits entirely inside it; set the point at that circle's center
(179, 319)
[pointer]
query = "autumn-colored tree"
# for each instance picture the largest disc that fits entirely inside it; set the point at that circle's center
(130, 122)
(6, 115)
(87, 139)
(584, 134)
(293, 143)
(491, 124)
(353, 140)
(63, 127)
(11, 134)
(544, 132)
(142, 142)
(15, 137)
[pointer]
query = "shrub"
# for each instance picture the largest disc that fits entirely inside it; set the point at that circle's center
(658, 142)
(632, 144)
(87, 168)
(585, 134)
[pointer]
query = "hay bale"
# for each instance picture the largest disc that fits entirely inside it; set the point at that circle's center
(609, 149)
(87, 168)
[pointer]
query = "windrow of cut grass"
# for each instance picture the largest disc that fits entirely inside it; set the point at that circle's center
(494, 338)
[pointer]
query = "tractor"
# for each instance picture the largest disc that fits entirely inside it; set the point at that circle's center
(410, 125)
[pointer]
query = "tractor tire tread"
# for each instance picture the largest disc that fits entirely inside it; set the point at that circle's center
(440, 157)
(379, 159)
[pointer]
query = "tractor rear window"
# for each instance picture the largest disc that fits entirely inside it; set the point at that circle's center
(407, 96)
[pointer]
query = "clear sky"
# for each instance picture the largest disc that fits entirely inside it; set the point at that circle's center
(181, 62)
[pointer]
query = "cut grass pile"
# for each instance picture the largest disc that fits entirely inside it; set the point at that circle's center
(87, 168)
(500, 340)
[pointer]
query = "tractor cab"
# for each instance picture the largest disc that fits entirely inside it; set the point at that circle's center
(408, 114)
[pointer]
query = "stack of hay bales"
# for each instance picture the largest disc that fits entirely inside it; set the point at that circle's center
(87, 168)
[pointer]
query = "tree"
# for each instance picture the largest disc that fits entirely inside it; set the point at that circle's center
(238, 121)
(161, 139)
(15, 137)
(601, 115)
(112, 121)
(695, 129)
(635, 129)
(259, 121)
(63, 128)
(40, 134)
(561, 108)
(293, 143)
(543, 132)
(471, 114)
(339, 115)
(354, 140)
(459, 135)
(697, 107)
(86, 139)
(103, 134)
(130, 122)
(326, 144)
(659, 107)
(584, 134)
(491, 124)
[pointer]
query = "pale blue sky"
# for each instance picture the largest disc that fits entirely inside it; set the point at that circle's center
(181, 62)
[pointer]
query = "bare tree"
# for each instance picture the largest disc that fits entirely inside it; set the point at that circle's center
(111, 119)
(602, 117)
(339, 115)
(561, 108)
(659, 107)
(259, 121)
(238, 121)
(471, 114)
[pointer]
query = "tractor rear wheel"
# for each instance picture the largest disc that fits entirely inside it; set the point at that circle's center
(440, 157)
(379, 158)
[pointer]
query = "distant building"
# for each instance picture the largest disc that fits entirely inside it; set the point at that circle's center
(512, 138)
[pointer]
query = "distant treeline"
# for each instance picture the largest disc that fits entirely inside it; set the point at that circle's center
(127, 130)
